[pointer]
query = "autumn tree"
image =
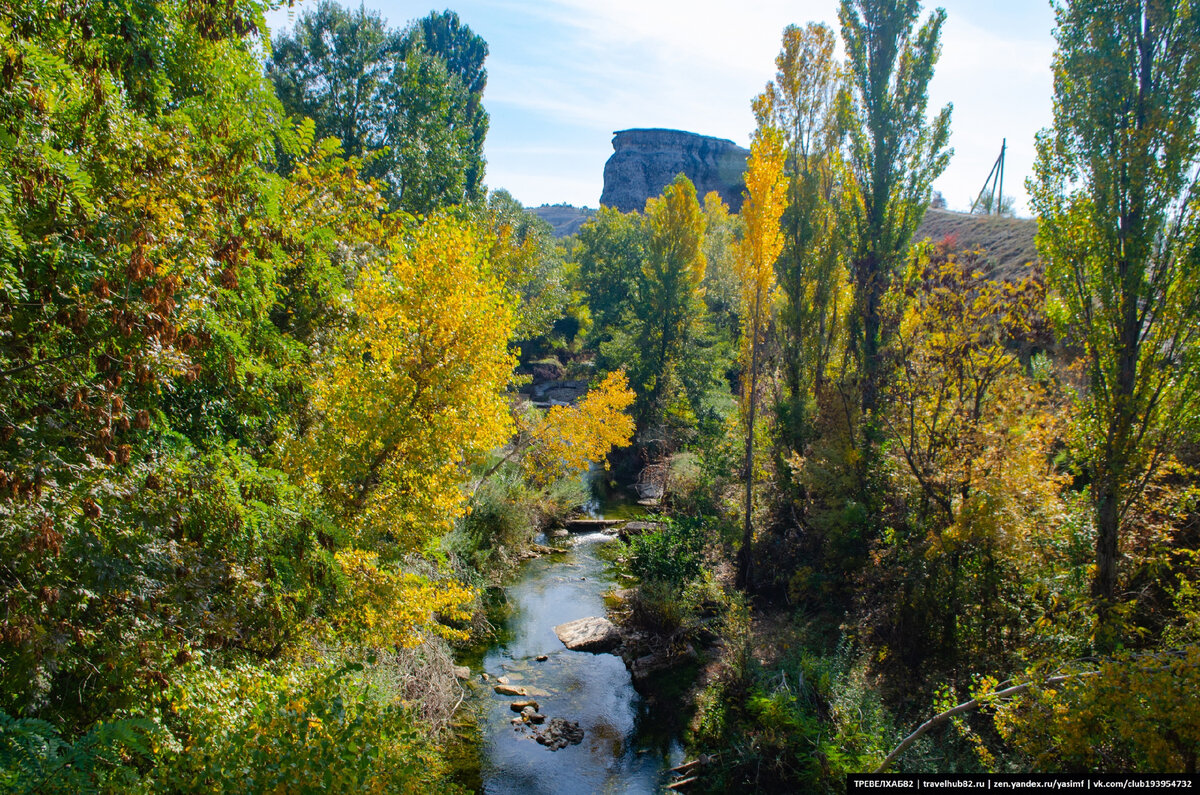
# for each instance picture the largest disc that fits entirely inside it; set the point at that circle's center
(755, 264)
(801, 103)
(411, 395)
(894, 154)
(969, 440)
(1116, 191)
(565, 440)
(668, 303)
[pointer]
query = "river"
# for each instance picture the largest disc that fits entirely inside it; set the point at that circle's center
(628, 745)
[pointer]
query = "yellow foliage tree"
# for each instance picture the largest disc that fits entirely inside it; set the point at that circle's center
(1136, 712)
(755, 265)
(569, 438)
(385, 607)
(411, 393)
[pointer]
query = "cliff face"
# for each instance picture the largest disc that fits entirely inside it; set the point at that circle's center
(645, 161)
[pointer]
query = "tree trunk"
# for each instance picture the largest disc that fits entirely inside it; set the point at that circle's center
(744, 554)
(1104, 586)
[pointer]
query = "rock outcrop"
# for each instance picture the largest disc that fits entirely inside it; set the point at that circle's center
(645, 161)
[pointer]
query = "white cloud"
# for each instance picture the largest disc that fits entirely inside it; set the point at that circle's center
(564, 74)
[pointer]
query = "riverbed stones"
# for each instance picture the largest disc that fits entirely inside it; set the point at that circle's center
(462, 672)
(521, 690)
(532, 715)
(594, 634)
(518, 706)
(559, 734)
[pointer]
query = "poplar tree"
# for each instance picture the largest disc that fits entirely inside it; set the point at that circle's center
(894, 154)
(755, 264)
(802, 103)
(1116, 191)
(668, 304)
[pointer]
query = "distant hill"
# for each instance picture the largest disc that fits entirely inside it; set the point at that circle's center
(1007, 241)
(564, 218)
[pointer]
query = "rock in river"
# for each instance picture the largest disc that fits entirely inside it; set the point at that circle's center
(592, 634)
(559, 734)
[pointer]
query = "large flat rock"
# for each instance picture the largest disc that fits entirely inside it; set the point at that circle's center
(594, 634)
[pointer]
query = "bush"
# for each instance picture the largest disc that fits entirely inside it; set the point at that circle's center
(250, 729)
(34, 758)
(674, 553)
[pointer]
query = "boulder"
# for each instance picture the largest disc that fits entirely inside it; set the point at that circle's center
(532, 715)
(594, 634)
(462, 672)
(644, 161)
(559, 734)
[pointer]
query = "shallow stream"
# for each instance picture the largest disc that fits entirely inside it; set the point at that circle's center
(627, 746)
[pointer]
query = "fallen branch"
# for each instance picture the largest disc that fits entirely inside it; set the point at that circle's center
(967, 706)
(682, 782)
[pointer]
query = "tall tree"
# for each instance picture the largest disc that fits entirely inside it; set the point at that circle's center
(1117, 193)
(802, 102)
(463, 51)
(386, 93)
(894, 155)
(765, 190)
(669, 293)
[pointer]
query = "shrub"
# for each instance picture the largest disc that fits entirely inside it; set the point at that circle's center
(674, 553)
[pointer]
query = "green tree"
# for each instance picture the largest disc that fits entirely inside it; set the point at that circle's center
(801, 103)
(669, 297)
(722, 232)
(391, 95)
(609, 255)
(894, 155)
(528, 261)
(463, 52)
(1117, 194)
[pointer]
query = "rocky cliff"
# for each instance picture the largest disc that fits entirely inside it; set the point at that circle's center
(645, 161)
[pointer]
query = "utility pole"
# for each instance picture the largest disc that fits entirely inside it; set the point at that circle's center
(995, 179)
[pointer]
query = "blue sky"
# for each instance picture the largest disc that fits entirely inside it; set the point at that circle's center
(564, 74)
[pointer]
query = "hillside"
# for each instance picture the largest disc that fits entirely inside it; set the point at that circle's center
(564, 218)
(1008, 241)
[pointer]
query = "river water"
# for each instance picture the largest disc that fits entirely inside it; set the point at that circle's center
(628, 745)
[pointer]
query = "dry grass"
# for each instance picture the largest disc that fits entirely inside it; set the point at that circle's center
(1007, 242)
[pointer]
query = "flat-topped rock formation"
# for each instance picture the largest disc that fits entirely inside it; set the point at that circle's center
(645, 161)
